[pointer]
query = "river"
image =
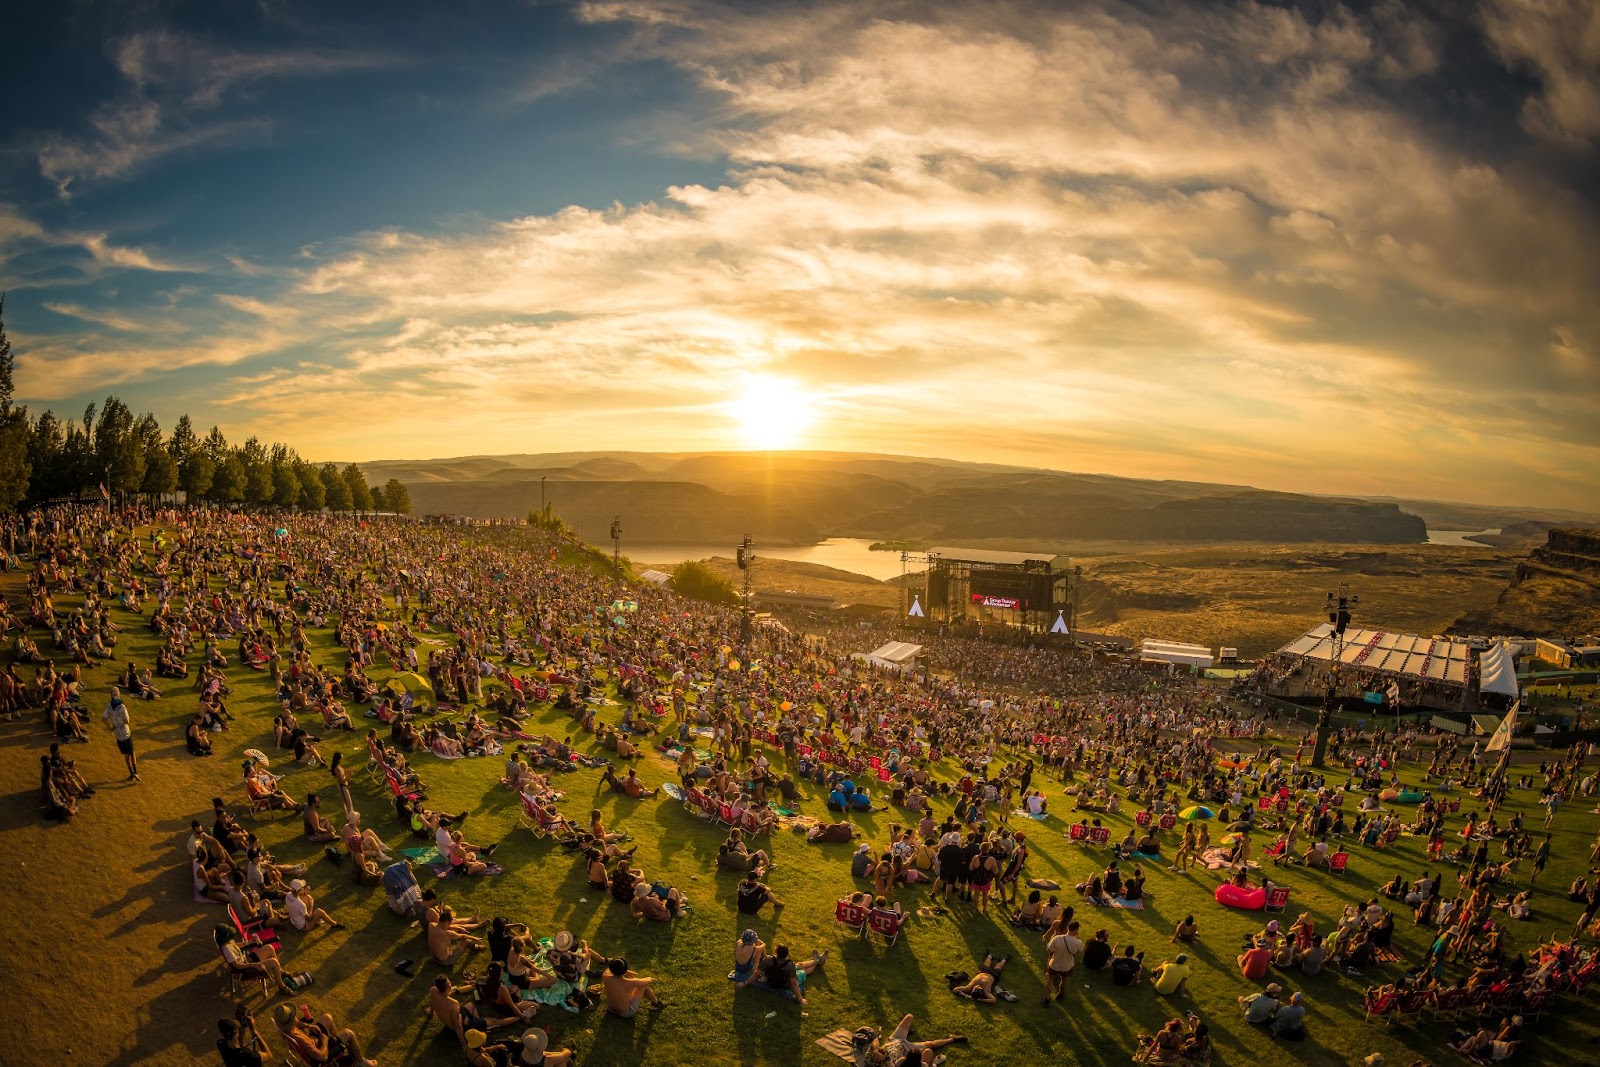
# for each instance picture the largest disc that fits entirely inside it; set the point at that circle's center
(854, 554)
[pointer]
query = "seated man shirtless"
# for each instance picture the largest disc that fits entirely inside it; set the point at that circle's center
(626, 991)
(448, 940)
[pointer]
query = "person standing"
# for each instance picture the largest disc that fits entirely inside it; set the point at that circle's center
(121, 723)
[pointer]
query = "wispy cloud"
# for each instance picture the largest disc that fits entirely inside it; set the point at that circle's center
(1558, 41)
(174, 88)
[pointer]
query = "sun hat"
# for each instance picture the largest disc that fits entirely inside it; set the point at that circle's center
(476, 1038)
(563, 943)
(1297, 998)
(1274, 988)
(297, 885)
(534, 1043)
(640, 890)
(1272, 927)
(748, 937)
(284, 1014)
(1183, 957)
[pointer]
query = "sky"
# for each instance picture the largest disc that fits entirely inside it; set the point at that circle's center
(1314, 247)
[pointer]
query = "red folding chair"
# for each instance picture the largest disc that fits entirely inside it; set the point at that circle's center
(852, 915)
(1143, 818)
(1338, 862)
(725, 815)
(1099, 836)
(886, 924)
(1277, 898)
(1380, 1005)
(750, 824)
(1168, 821)
(1078, 831)
(1264, 803)
(255, 931)
(884, 775)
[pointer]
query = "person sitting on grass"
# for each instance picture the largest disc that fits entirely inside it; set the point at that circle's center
(623, 880)
(753, 895)
(1172, 977)
(1126, 968)
(497, 1001)
(1186, 931)
(448, 941)
(463, 859)
(783, 975)
(626, 992)
(320, 1040)
(649, 905)
(1290, 1020)
(747, 954)
(457, 1017)
(1254, 961)
(1031, 913)
(536, 1052)
(318, 830)
(195, 738)
(981, 986)
(1259, 1008)
(301, 907)
(735, 855)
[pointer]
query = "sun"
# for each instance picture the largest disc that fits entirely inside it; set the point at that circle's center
(772, 412)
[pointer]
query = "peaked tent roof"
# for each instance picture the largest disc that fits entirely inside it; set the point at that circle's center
(1497, 672)
(896, 652)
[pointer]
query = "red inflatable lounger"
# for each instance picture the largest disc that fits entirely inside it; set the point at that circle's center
(1248, 899)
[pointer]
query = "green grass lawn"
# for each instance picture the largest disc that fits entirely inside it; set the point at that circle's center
(109, 960)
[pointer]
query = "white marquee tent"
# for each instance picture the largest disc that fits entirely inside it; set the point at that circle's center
(1497, 672)
(1436, 659)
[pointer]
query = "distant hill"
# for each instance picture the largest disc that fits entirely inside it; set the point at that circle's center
(800, 497)
(1555, 593)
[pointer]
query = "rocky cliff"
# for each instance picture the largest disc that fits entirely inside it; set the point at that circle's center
(1555, 593)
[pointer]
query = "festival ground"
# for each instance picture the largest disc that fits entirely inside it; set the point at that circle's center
(109, 958)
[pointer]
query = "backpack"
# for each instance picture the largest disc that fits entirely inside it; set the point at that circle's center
(333, 855)
(956, 978)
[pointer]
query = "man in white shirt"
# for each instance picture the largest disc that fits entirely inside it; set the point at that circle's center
(1061, 955)
(302, 909)
(116, 716)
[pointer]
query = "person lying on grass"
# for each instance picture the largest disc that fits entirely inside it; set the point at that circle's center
(647, 904)
(320, 1040)
(980, 987)
(627, 992)
(900, 1050)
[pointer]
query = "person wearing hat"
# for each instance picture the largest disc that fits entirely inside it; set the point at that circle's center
(647, 905)
(626, 992)
(1290, 1021)
(319, 1040)
(1172, 976)
(536, 1052)
(571, 958)
(747, 953)
(482, 1054)
(1260, 1008)
(301, 907)
(1254, 961)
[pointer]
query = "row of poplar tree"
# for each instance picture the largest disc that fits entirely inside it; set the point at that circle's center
(46, 458)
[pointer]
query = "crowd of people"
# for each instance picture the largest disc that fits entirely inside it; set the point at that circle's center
(452, 640)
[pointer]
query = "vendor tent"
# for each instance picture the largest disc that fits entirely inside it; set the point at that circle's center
(900, 655)
(1497, 672)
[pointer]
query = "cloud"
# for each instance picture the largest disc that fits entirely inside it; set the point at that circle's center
(1213, 243)
(1558, 42)
(174, 86)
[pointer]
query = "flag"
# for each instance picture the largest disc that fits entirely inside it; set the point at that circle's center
(916, 607)
(1060, 625)
(104, 491)
(1501, 741)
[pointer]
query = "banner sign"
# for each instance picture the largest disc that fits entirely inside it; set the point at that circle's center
(996, 601)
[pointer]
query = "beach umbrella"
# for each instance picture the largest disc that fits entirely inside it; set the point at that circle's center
(1197, 811)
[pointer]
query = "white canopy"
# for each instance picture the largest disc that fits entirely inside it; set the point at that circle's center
(895, 653)
(656, 577)
(1497, 672)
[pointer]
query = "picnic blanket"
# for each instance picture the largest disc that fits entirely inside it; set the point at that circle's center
(1151, 857)
(428, 854)
(839, 1044)
(1026, 814)
(1387, 954)
(445, 871)
(783, 813)
(1118, 902)
(1216, 859)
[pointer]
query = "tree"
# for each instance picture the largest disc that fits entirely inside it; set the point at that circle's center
(313, 495)
(228, 480)
(397, 496)
(117, 451)
(285, 482)
(46, 459)
(160, 473)
(360, 492)
(692, 578)
(15, 434)
(336, 494)
(380, 500)
(195, 472)
(7, 362)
